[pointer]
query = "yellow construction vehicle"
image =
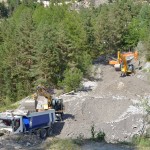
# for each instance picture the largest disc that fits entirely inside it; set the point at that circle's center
(41, 91)
(123, 62)
(128, 56)
(126, 68)
(53, 103)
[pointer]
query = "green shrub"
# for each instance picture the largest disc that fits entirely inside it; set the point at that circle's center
(72, 79)
(62, 144)
(9, 106)
(84, 63)
(100, 136)
(93, 132)
(141, 142)
(80, 140)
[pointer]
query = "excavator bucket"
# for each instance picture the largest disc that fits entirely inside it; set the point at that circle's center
(113, 62)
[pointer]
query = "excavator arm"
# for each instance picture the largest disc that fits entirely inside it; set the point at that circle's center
(43, 92)
(128, 56)
(125, 67)
(54, 103)
(123, 62)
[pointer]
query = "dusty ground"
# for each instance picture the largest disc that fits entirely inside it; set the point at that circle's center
(113, 105)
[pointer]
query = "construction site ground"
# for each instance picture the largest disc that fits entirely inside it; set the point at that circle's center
(113, 104)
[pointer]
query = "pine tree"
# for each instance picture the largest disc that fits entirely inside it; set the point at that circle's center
(3, 10)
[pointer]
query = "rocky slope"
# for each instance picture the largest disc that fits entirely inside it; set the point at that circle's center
(114, 105)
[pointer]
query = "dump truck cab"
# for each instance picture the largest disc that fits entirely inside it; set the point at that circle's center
(11, 124)
(31, 122)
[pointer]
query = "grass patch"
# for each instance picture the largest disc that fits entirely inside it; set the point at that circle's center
(97, 136)
(62, 144)
(8, 107)
(79, 140)
(142, 143)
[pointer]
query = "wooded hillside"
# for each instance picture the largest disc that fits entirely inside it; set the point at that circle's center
(55, 46)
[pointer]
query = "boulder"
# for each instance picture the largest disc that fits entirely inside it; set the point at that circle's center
(96, 72)
(147, 67)
(148, 132)
(120, 85)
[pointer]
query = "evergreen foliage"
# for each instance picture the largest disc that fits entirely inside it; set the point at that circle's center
(56, 45)
(3, 11)
(72, 79)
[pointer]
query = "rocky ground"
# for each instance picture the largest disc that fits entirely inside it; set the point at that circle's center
(113, 105)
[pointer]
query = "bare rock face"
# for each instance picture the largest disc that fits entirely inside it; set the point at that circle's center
(96, 72)
(114, 105)
(88, 3)
(98, 2)
(94, 2)
(146, 67)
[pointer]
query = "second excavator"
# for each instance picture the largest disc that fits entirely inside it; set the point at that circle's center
(52, 103)
(123, 62)
(42, 100)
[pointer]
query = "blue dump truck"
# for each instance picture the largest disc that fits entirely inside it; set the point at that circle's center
(37, 122)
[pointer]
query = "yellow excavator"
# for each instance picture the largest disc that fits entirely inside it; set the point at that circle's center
(128, 56)
(126, 68)
(53, 103)
(41, 91)
(123, 62)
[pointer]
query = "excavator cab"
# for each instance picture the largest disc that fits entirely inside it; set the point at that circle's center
(127, 69)
(53, 103)
(57, 104)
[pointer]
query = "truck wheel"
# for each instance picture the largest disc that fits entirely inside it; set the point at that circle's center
(59, 117)
(49, 131)
(43, 134)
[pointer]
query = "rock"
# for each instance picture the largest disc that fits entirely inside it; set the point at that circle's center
(96, 72)
(134, 126)
(99, 2)
(148, 132)
(28, 144)
(120, 85)
(1, 146)
(147, 67)
(18, 147)
(20, 112)
(1, 134)
(28, 103)
(147, 119)
(140, 76)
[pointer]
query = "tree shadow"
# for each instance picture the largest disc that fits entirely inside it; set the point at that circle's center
(85, 89)
(93, 79)
(102, 59)
(71, 93)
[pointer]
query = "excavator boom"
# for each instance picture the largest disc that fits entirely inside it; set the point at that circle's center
(125, 67)
(128, 56)
(123, 62)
